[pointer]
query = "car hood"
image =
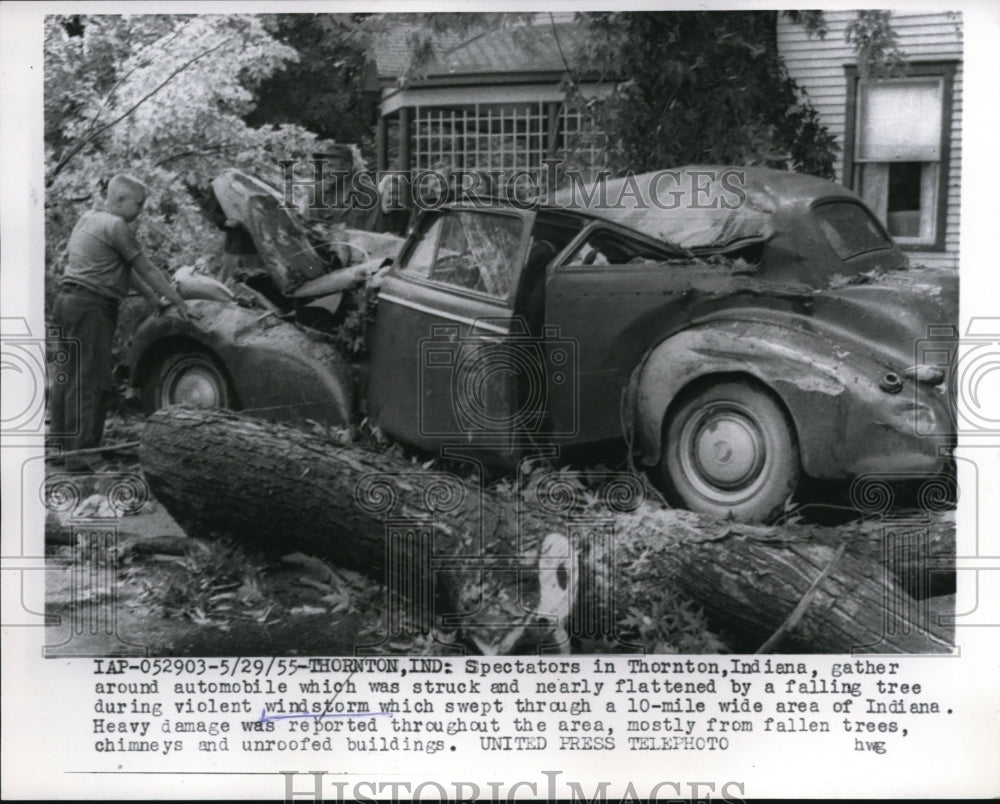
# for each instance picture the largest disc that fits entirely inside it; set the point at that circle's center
(286, 252)
(890, 315)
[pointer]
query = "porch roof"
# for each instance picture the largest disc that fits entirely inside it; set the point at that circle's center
(542, 48)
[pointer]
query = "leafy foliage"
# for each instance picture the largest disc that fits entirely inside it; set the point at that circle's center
(330, 89)
(671, 624)
(701, 87)
(215, 583)
(814, 22)
(872, 36)
(350, 336)
(163, 98)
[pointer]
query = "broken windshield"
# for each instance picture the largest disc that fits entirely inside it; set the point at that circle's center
(471, 250)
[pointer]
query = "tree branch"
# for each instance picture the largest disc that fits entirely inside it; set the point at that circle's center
(92, 136)
(562, 55)
(142, 60)
(145, 62)
(800, 609)
(226, 146)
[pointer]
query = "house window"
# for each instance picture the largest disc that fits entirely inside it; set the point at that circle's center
(899, 159)
(506, 139)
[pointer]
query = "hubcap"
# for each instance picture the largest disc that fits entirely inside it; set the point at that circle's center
(723, 451)
(195, 386)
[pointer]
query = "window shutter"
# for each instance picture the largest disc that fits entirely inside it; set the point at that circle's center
(900, 120)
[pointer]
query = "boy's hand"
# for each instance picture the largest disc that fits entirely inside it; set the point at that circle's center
(183, 311)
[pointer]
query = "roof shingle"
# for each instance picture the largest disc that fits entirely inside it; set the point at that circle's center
(542, 47)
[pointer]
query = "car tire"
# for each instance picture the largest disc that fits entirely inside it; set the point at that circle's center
(189, 378)
(729, 449)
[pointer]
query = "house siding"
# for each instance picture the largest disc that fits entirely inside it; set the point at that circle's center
(818, 67)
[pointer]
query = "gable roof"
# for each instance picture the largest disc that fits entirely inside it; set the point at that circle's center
(391, 48)
(544, 47)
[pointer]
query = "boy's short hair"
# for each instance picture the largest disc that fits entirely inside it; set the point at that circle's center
(124, 185)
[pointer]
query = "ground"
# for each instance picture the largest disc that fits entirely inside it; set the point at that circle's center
(173, 595)
(178, 596)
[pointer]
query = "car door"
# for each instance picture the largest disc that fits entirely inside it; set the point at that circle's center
(610, 292)
(442, 369)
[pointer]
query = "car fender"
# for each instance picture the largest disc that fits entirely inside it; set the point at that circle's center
(277, 370)
(845, 423)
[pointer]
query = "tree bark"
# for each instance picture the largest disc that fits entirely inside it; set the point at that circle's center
(481, 559)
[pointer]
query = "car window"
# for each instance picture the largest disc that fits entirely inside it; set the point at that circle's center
(611, 248)
(478, 251)
(421, 257)
(850, 228)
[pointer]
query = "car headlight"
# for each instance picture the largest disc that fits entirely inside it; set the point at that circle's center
(891, 383)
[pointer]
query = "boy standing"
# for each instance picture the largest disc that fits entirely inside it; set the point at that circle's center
(104, 261)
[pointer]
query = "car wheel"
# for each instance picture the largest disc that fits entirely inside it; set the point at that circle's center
(730, 449)
(189, 378)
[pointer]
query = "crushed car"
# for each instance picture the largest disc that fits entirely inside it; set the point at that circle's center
(737, 330)
(262, 340)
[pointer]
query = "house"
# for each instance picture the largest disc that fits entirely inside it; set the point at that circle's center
(900, 138)
(494, 102)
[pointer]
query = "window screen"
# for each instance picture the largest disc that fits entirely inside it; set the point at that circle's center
(900, 120)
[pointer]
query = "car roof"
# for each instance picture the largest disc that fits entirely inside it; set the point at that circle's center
(701, 206)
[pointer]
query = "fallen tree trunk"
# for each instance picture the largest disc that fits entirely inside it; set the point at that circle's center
(471, 556)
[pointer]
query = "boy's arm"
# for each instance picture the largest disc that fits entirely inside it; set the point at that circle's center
(151, 275)
(145, 290)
